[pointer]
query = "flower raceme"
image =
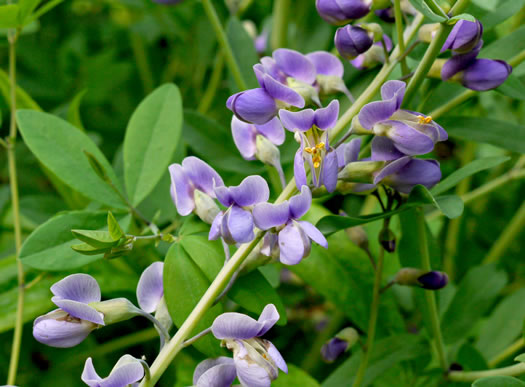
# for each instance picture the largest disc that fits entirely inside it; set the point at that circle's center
(256, 361)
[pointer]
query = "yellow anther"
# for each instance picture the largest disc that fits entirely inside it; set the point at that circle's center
(308, 149)
(317, 164)
(424, 120)
(320, 145)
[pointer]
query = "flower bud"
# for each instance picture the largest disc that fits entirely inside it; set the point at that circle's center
(342, 342)
(341, 12)
(485, 74)
(115, 310)
(351, 41)
(205, 207)
(464, 37)
(432, 280)
(358, 235)
(266, 152)
(387, 239)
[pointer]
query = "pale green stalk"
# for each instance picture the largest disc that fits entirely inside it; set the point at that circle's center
(400, 39)
(213, 84)
(470, 376)
(141, 59)
(280, 24)
(510, 350)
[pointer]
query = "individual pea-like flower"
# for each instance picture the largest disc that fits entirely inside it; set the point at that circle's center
(312, 129)
(476, 74)
(339, 12)
(127, 371)
(258, 141)
(431, 280)
(256, 361)
(411, 133)
(72, 323)
(235, 224)
(339, 344)
(294, 236)
(150, 293)
(352, 41)
(330, 72)
(464, 37)
(192, 188)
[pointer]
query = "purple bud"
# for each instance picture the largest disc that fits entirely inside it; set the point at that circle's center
(485, 74)
(254, 105)
(387, 239)
(386, 14)
(332, 349)
(339, 12)
(433, 280)
(464, 36)
(351, 41)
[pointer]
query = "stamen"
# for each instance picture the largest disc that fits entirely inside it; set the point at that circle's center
(424, 120)
(320, 145)
(307, 149)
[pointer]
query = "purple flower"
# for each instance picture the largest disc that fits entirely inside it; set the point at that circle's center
(261, 41)
(192, 186)
(332, 349)
(352, 41)
(294, 236)
(411, 133)
(256, 362)
(245, 136)
(485, 74)
(341, 12)
(150, 289)
(311, 128)
(235, 225)
(127, 371)
(329, 71)
(72, 323)
(432, 280)
(464, 37)
(374, 56)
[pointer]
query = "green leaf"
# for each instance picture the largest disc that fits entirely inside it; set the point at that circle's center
(86, 249)
(503, 326)
(60, 147)
(49, 246)
(386, 353)
(451, 205)
(499, 133)
(463, 16)
(185, 286)
(73, 111)
(23, 100)
(296, 377)
(244, 52)
(475, 295)
(498, 381)
(100, 239)
(513, 87)
(504, 10)
(520, 358)
(43, 10)
(26, 8)
(424, 8)
(506, 47)
(9, 16)
(468, 170)
(114, 228)
(152, 136)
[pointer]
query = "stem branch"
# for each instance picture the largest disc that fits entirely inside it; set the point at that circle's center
(470, 376)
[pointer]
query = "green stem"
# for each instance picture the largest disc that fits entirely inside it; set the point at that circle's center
(510, 350)
(213, 84)
(189, 342)
(400, 39)
(470, 376)
(280, 23)
(224, 44)
(429, 294)
(372, 322)
(511, 231)
(144, 69)
(13, 180)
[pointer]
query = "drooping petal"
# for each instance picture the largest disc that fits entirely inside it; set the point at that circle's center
(181, 190)
(374, 112)
(280, 92)
(485, 74)
(79, 310)
(218, 372)
(299, 170)
(267, 215)
(292, 245)
(394, 90)
(77, 287)
(300, 204)
(235, 326)
(204, 177)
(244, 138)
(272, 130)
(56, 329)
(277, 357)
(269, 316)
(391, 168)
(252, 190)
(295, 64)
(254, 105)
(238, 223)
(314, 233)
(325, 118)
(301, 121)
(329, 171)
(383, 149)
(409, 140)
(89, 375)
(215, 229)
(326, 63)
(417, 171)
(150, 288)
(125, 374)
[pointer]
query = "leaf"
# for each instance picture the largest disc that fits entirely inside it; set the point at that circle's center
(26, 8)
(423, 7)
(504, 10)
(385, 354)
(503, 326)
(152, 136)
(296, 377)
(463, 16)
(499, 133)
(9, 16)
(513, 87)
(23, 100)
(43, 10)
(99, 239)
(451, 205)
(244, 52)
(506, 47)
(185, 284)
(114, 228)
(49, 246)
(60, 147)
(73, 111)
(468, 170)
(520, 358)
(475, 294)
(498, 381)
